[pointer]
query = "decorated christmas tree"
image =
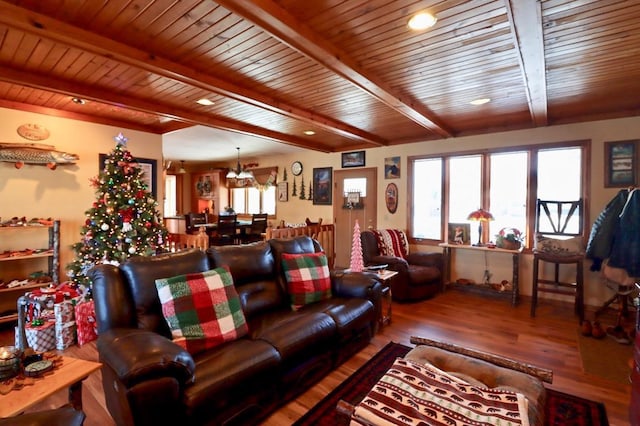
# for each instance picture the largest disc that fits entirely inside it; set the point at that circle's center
(123, 221)
(357, 263)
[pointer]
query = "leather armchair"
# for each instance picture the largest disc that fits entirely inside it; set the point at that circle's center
(419, 274)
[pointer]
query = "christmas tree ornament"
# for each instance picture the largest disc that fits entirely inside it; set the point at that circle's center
(104, 227)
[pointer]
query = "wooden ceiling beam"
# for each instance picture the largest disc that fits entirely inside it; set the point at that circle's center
(273, 19)
(109, 97)
(44, 26)
(525, 17)
(91, 118)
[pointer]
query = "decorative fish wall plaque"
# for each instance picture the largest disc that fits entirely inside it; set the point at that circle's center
(34, 153)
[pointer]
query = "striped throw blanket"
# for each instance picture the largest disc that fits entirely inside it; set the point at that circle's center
(417, 394)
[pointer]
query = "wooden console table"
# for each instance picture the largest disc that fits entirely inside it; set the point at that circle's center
(515, 292)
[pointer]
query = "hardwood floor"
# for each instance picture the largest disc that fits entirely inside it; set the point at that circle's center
(492, 325)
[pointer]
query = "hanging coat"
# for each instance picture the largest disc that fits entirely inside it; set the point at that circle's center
(604, 229)
(625, 250)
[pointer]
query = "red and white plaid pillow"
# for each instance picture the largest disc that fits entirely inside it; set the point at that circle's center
(392, 242)
(308, 278)
(202, 310)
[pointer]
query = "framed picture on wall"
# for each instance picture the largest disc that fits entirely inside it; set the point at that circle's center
(283, 191)
(392, 167)
(322, 185)
(353, 159)
(148, 167)
(620, 163)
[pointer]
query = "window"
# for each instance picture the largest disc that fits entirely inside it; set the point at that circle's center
(170, 196)
(447, 188)
(260, 198)
(427, 198)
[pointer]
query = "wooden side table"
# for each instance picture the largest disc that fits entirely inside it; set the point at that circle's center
(386, 277)
(515, 254)
(69, 374)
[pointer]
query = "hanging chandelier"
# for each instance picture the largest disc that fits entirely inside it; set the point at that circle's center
(239, 172)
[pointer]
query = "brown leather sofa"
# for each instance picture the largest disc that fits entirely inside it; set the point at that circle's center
(149, 380)
(419, 274)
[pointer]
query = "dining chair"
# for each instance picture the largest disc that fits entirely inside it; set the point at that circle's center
(257, 230)
(226, 231)
(558, 241)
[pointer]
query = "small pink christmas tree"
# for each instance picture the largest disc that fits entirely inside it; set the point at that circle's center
(357, 263)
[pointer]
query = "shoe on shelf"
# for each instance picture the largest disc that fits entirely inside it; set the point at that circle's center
(585, 328)
(618, 334)
(597, 331)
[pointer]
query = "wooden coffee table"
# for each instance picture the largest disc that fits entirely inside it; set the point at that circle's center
(69, 374)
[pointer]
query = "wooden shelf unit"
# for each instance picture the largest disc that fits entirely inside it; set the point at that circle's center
(9, 296)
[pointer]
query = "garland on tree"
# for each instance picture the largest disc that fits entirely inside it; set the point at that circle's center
(123, 221)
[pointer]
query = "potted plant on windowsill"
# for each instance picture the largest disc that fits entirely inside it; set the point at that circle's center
(509, 239)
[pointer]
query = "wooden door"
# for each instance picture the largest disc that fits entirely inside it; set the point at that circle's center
(345, 213)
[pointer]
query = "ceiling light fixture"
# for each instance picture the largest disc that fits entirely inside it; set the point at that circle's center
(239, 172)
(422, 21)
(480, 101)
(78, 101)
(205, 102)
(309, 132)
(182, 170)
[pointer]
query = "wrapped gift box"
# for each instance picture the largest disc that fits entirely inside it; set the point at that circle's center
(42, 300)
(86, 322)
(65, 335)
(40, 338)
(64, 312)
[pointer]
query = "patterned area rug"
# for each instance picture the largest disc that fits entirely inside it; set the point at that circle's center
(561, 410)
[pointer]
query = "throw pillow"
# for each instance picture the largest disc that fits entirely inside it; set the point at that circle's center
(557, 246)
(202, 310)
(392, 242)
(308, 278)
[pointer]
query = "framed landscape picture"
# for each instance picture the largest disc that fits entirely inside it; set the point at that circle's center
(620, 163)
(353, 159)
(322, 185)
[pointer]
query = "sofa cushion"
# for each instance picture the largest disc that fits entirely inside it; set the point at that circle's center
(295, 335)
(202, 309)
(392, 242)
(226, 374)
(308, 278)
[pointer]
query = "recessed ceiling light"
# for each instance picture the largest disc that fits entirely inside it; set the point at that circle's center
(481, 101)
(78, 101)
(205, 102)
(309, 132)
(422, 21)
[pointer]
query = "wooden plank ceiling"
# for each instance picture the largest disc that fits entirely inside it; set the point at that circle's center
(350, 70)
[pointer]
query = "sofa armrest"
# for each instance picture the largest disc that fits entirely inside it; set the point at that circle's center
(137, 355)
(356, 284)
(426, 259)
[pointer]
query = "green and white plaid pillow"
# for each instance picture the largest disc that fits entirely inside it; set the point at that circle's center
(202, 310)
(308, 279)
